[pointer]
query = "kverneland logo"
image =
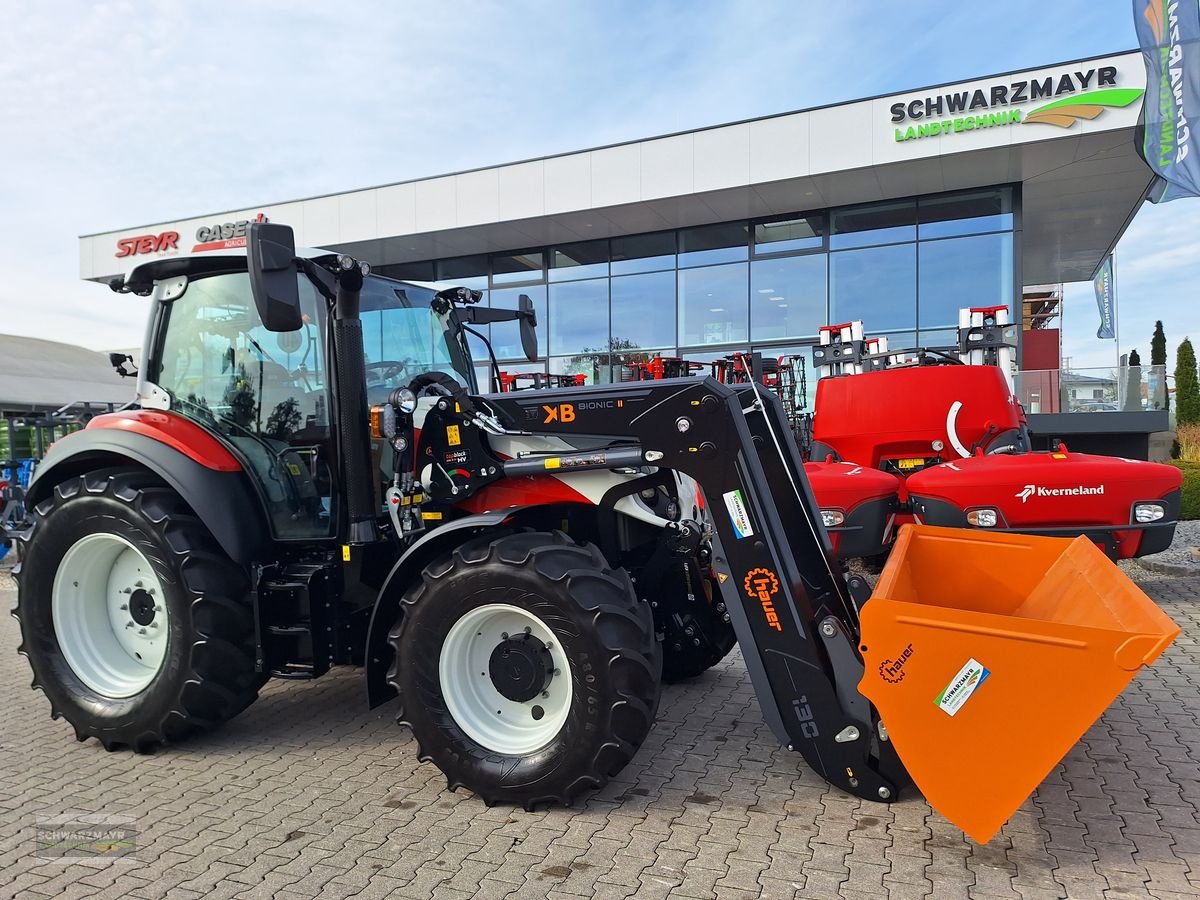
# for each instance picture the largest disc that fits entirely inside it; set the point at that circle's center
(1036, 490)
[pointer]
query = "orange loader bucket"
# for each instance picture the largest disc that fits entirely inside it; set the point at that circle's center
(989, 655)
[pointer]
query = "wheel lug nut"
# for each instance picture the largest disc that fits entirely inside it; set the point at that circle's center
(130, 624)
(528, 630)
(545, 695)
(124, 607)
(158, 609)
(504, 635)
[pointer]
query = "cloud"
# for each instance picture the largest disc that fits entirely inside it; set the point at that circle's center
(124, 112)
(1157, 277)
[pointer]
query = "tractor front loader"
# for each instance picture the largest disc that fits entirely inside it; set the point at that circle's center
(518, 568)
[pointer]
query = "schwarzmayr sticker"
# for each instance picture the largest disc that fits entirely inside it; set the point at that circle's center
(738, 516)
(962, 686)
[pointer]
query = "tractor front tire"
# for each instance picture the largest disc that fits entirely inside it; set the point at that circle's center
(132, 617)
(526, 668)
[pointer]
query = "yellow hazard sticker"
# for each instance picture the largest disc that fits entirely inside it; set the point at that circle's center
(294, 469)
(553, 462)
(431, 516)
(722, 577)
(345, 553)
(453, 438)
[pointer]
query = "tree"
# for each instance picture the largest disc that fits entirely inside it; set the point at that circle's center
(1158, 357)
(1187, 386)
(1133, 382)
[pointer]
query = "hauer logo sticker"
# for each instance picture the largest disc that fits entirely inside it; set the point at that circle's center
(892, 670)
(1081, 490)
(762, 585)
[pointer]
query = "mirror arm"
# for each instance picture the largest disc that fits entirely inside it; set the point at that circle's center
(321, 279)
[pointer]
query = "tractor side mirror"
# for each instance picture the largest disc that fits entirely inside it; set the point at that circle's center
(271, 260)
(528, 326)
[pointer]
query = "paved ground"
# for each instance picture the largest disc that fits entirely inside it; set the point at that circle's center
(308, 794)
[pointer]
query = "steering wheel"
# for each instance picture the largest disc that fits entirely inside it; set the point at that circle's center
(390, 368)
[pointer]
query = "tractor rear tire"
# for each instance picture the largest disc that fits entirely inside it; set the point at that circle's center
(118, 545)
(526, 668)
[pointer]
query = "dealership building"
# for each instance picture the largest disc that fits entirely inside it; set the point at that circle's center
(897, 210)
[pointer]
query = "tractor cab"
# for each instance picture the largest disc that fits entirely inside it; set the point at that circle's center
(269, 394)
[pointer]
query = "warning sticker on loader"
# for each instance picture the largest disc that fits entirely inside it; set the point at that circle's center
(737, 514)
(962, 686)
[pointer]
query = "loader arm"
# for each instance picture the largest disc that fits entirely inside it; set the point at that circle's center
(790, 606)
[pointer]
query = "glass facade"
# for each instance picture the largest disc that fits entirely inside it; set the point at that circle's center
(905, 267)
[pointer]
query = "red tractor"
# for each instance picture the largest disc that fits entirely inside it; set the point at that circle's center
(937, 436)
(312, 478)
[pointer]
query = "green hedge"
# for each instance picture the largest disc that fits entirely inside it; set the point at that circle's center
(1190, 507)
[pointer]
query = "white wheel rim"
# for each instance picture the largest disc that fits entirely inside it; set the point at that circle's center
(110, 615)
(488, 717)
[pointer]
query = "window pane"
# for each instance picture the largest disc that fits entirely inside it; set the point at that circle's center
(962, 272)
(643, 310)
(798, 358)
(463, 271)
(643, 253)
(593, 365)
(898, 340)
(579, 317)
(712, 305)
(788, 297)
(881, 223)
(726, 242)
(878, 285)
(506, 336)
(515, 368)
(787, 235)
(519, 267)
(945, 337)
(587, 259)
(970, 212)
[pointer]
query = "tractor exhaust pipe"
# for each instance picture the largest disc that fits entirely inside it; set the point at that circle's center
(351, 401)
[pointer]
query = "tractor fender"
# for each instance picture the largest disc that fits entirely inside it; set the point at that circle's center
(437, 543)
(219, 496)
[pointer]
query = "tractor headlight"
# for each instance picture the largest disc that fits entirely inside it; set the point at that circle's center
(1144, 513)
(831, 518)
(983, 518)
(404, 400)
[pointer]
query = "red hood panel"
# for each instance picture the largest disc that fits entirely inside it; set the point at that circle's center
(1047, 489)
(845, 485)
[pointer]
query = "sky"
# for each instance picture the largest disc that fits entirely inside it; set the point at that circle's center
(119, 113)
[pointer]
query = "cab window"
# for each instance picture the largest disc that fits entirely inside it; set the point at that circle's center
(264, 392)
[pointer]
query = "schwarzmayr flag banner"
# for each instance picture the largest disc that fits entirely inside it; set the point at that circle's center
(1105, 299)
(1169, 34)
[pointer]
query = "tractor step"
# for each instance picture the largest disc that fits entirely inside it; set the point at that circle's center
(295, 619)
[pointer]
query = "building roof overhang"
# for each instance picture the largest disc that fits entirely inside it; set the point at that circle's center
(1081, 177)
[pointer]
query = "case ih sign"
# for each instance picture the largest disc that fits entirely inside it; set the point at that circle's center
(147, 243)
(224, 236)
(221, 236)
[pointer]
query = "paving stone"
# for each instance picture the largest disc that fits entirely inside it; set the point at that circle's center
(308, 794)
